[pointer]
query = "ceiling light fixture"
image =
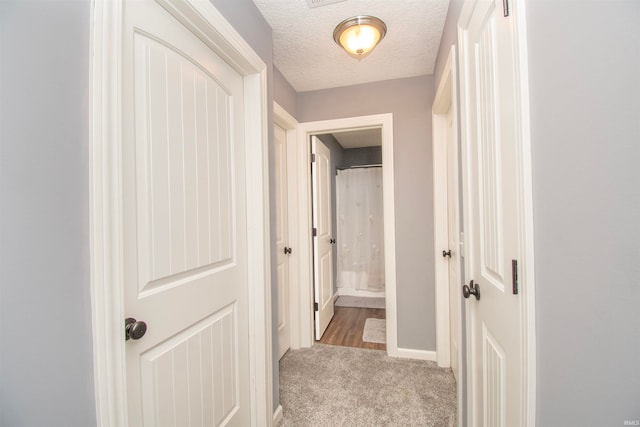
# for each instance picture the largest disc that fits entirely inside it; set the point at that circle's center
(359, 35)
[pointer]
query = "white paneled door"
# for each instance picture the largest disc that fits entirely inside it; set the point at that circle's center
(185, 240)
(323, 237)
(283, 252)
(496, 341)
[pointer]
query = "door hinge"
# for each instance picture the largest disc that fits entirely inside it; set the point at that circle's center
(314, 232)
(505, 8)
(315, 306)
(514, 276)
(313, 157)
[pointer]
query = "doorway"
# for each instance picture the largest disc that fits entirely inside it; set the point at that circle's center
(383, 124)
(356, 316)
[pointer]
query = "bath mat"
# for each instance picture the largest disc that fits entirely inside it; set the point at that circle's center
(375, 330)
(360, 302)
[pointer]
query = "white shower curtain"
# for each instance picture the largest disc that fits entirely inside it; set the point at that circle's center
(360, 229)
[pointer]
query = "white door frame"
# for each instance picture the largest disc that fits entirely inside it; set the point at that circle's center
(525, 202)
(446, 98)
(285, 120)
(385, 123)
(106, 201)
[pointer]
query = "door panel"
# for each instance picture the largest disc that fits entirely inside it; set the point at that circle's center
(323, 249)
(185, 240)
(172, 186)
(187, 371)
(282, 240)
(495, 330)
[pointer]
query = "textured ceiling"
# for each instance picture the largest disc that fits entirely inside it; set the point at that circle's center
(305, 53)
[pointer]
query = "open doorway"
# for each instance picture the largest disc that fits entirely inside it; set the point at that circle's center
(357, 315)
(382, 125)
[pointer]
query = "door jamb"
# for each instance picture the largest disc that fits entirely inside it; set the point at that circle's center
(106, 277)
(285, 120)
(525, 202)
(306, 130)
(446, 98)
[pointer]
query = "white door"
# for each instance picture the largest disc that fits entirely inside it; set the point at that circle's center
(185, 240)
(494, 328)
(452, 219)
(282, 240)
(322, 241)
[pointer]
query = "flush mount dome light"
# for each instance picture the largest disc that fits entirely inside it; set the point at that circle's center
(359, 35)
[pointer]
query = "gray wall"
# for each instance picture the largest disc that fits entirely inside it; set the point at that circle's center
(245, 17)
(584, 65)
(337, 155)
(284, 94)
(362, 156)
(46, 362)
(46, 369)
(410, 102)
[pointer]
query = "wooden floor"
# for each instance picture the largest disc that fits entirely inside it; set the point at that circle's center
(347, 326)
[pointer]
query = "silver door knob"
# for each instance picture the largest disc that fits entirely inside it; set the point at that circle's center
(134, 329)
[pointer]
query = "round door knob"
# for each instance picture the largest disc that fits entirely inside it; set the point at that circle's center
(134, 329)
(446, 253)
(471, 289)
(287, 250)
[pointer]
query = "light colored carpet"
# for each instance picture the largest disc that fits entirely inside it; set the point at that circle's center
(332, 386)
(375, 330)
(359, 302)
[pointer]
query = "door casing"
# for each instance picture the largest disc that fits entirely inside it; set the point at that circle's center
(445, 99)
(106, 278)
(286, 121)
(305, 296)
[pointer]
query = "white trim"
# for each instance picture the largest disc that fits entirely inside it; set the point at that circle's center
(105, 219)
(528, 283)
(409, 353)
(359, 293)
(465, 15)
(445, 99)
(277, 416)
(106, 193)
(305, 130)
(285, 120)
(525, 211)
(441, 105)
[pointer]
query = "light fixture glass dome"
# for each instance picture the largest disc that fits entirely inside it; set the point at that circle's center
(359, 35)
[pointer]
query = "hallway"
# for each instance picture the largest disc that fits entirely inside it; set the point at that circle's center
(343, 386)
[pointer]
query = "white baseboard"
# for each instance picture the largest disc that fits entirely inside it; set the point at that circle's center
(360, 293)
(277, 416)
(408, 353)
